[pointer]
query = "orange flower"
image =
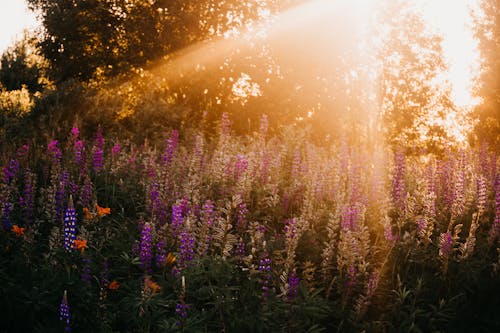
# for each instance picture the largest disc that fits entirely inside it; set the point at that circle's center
(114, 285)
(86, 211)
(155, 287)
(17, 230)
(170, 258)
(101, 211)
(80, 244)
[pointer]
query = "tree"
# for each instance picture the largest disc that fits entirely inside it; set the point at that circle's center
(488, 89)
(412, 101)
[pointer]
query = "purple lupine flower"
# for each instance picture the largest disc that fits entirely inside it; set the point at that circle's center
(240, 249)
(398, 181)
(290, 229)
(296, 164)
(265, 269)
(13, 169)
(6, 222)
(186, 249)
(170, 147)
(240, 166)
(98, 151)
(482, 196)
(75, 132)
(445, 241)
(161, 253)
(242, 216)
(64, 312)
(352, 272)
(373, 282)
(154, 198)
(177, 218)
(266, 161)
(86, 192)
(23, 151)
(54, 151)
(146, 247)
(495, 228)
(116, 149)
(349, 218)
(207, 213)
(293, 286)
(59, 201)
(69, 226)
(78, 152)
(181, 309)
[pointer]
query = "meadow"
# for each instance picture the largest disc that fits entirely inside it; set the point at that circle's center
(250, 233)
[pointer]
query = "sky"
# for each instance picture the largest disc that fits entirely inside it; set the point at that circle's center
(14, 18)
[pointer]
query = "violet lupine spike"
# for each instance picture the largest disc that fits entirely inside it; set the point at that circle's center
(69, 226)
(64, 312)
(6, 222)
(161, 253)
(177, 219)
(54, 151)
(398, 181)
(445, 242)
(265, 268)
(482, 195)
(146, 247)
(75, 132)
(86, 193)
(495, 228)
(115, 150)
(240, 166)
(242, 216)
(296, 164)
(186, 249)
(78, 152)
(208, 213)
(293, 286)
(59, 201)
(290, 229)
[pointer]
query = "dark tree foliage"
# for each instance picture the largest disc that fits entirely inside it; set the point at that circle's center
(488, 112)
(87, 38)
(411, 58)
(21, 65)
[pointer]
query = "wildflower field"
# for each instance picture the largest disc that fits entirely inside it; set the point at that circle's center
(246, 233)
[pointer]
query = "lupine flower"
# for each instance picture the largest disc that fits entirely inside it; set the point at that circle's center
(482, 196)
(177, 218)
(64, 312)
(160, 255)
(293, 286)
(445, 241)
(186, 249)
(69, 226)
(290, 229)
(208, 212)
(240, 166)
(78, 152)
(75, 132)
(242, 212)
(265, 268)
(6, 223)
(23, 151)
(398, 181)
(18, 230)
(146, 247)
(116, 149)
(495, 228)
(181, 308)
(54, 151)
(86, 192)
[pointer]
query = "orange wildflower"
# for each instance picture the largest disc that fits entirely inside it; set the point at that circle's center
(153, 286)
(170, 258)
(86, 211)
(80, 244)
(114, 285)
(101, 211)
(17, 230)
